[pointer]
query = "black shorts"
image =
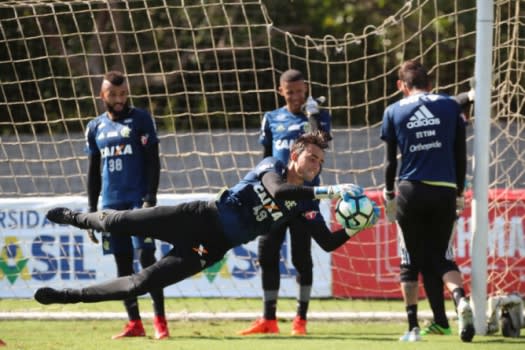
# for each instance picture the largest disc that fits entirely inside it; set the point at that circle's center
(426, 217)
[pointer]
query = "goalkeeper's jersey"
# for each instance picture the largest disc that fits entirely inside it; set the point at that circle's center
(425, 127)
(121, 145)
(280, 128)
(247, 210)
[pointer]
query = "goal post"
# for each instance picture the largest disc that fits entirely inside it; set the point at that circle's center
(483, 74)
(207, 71)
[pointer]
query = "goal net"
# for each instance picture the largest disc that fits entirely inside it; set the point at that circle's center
(207, 71)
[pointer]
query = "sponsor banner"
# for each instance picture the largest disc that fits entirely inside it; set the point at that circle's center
(368, 265)
(35, 252)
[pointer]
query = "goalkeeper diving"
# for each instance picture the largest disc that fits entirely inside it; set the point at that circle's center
(201, 232)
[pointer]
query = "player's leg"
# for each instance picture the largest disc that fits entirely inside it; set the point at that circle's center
(301, 247)
(180, 263)
(145, 250)
(441, 252)
(433, 285)
(269, 251)
(198, 243)
(124, 264)
(158, 222)
(410, 221)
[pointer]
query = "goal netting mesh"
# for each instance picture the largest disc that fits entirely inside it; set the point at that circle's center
(207, 71)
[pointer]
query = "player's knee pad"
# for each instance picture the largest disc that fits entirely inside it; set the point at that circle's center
(408, 273)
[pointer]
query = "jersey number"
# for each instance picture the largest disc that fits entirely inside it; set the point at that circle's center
(115, 165)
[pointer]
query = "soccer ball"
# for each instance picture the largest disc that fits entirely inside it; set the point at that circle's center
(356, 212)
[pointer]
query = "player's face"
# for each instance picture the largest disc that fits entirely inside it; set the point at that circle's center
(115, 97)
(294, 93)
(308, 164)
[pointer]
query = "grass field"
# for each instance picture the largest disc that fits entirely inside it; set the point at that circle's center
(45, 334)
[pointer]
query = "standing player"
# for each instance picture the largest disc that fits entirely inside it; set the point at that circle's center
(125, 141)
(202, 232)
(280, 128)
(429, 131)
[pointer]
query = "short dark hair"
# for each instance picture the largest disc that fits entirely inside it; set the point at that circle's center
(291, 75)
(312, 138)
(414, 75)
(115, 77)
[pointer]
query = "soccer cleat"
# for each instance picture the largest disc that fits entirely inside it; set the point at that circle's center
(411, 336)
(465, 321)
(62, 216)
(161, 327)
(298, 326)
(434, 328)
(133, 328)
(261, 326)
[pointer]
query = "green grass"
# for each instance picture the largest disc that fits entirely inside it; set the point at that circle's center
(96, 334)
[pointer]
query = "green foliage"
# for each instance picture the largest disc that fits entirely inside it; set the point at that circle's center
(188, 67)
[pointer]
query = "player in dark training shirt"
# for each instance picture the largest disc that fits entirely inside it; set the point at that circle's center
(202, 232)
(429, 131)
(279, 130)
(124, 141)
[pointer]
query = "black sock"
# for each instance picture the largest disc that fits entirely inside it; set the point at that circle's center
(412, 316)
(302, 309)
(270, 309)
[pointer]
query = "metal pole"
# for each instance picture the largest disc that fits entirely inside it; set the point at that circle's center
(482, 107)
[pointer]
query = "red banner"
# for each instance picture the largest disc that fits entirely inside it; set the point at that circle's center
(368, 265)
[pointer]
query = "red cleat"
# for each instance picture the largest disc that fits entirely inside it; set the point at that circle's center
(261, 326)
(134, 328)
(298, 326)
(161, 327)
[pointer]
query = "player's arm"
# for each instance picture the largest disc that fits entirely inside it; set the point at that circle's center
(152, 168)
(390, 165)
(94, 181)
(267, 151)
(281, 190)
(460, 148)
(94, 185)
(326, 239)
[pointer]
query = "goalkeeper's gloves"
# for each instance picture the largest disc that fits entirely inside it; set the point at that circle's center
(337, 191)
(311, 106)
(389, 200)
(460, 204)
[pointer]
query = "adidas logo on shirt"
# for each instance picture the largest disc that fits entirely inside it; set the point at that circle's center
(422, 117)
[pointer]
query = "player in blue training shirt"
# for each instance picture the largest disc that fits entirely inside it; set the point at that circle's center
(279, 129)
(124, 141)
(203, 231)
(429, 130)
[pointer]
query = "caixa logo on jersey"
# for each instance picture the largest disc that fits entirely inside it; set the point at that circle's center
(117, 150)
(29, 252)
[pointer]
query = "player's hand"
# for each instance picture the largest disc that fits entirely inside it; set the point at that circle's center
(390, 206)
(311, 106)
(337, 191)
(460, 204)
